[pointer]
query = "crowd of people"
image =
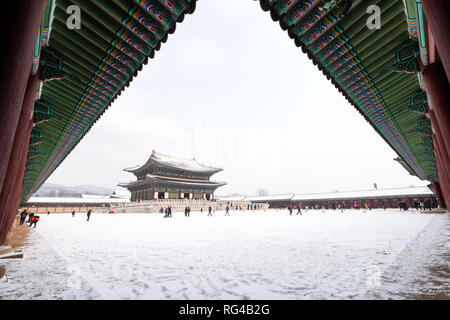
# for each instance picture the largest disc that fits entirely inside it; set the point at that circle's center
(403, 205)
(32, 218)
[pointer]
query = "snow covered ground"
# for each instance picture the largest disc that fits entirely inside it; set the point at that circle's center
(248, 255)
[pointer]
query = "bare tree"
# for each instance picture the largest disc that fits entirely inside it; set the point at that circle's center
(262, 192)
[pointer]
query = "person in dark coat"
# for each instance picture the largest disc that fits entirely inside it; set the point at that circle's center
(73, 213)
(209, 211)
(23, 216)
(170, 212)
(227, 210)
(299, 209)
(89, 214)
(30, 216)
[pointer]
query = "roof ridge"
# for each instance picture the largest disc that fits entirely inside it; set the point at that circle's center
(181, 158)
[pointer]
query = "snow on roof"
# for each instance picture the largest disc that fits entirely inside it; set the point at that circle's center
(176, 162)
(278, 197)
(374, 193)
(75, 200)
(231, 198)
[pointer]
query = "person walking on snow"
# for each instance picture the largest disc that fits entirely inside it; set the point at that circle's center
(227, 211)
(89, 214)
(299, 209)
(73, 213)
(209, 211)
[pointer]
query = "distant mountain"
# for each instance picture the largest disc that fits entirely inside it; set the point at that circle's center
(57, 190)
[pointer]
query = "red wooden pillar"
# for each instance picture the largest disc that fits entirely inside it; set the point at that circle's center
(438, 90)
(18, 44)
(437, 13)
(441, 175)
(442, 170)
(438, 140)
(437, 190)
(13, 181)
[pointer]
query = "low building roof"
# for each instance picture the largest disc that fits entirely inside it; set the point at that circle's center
(278, 197)
(374, 193)
(33, 200)
(343, 195)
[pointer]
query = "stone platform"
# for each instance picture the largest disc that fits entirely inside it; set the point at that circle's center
(153, 206)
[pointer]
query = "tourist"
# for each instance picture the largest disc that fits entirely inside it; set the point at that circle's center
(30, 216)
(73, 213)
(170, 211)
(34, 220)
(23, 216)
(186, 211)
(227, 210)
(209, 211)
(189, 211)
(290, 210)
(299, 209)
(89, 214)
(48, 213)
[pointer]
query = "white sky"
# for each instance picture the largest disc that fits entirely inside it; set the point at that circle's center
(231, 89)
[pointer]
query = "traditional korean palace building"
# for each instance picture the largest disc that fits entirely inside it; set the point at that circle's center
(166, 177)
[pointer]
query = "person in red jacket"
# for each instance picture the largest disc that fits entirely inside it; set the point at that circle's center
(34, 220)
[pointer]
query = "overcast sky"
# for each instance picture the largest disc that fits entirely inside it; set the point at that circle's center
(231, 89)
